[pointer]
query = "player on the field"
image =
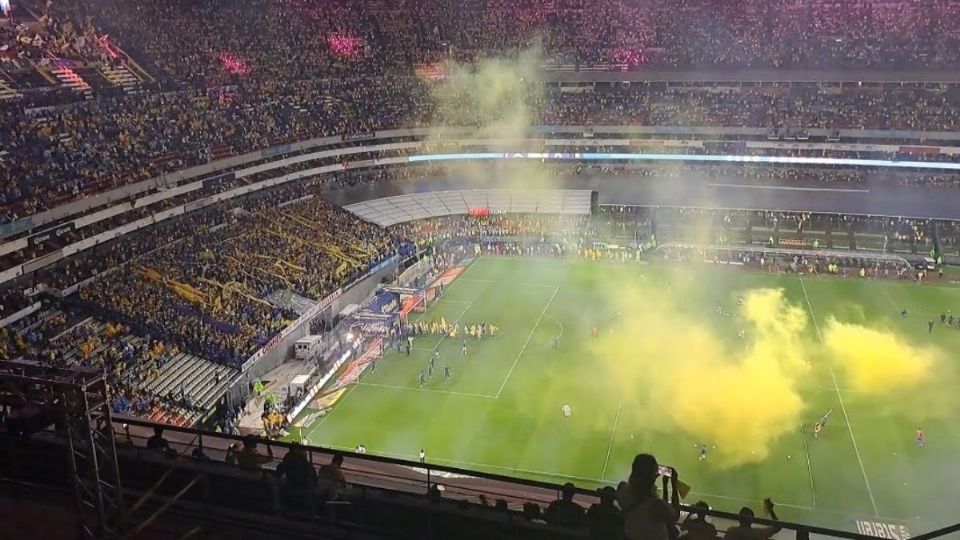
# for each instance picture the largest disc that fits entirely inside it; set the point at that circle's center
(422, 379)
(903, 313)
(921, 438)
(446, 372)
(430, 370)
(556, 342)
(463, 348)
(943, 317)
(930, 326)
(821, 423)
(566, 411)
(703, 452)
(594, 331)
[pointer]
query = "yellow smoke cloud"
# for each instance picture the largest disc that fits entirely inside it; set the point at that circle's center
(877, 361)
(740, 398)
(498, 97)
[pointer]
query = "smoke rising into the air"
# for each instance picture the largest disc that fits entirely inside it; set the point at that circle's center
(499, 98)
(689, 373)
(738, 398)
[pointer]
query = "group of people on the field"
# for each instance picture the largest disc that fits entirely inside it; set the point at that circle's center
(452, 330)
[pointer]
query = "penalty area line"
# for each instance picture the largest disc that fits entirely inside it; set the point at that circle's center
(430, 390)
(613, 432)
(529, 337)
(500, 282)
(843, 408)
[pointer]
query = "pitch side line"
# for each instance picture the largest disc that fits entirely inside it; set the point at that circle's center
(806, 451)
(613, 432)
(529, 337)
(843, 408)
(431, 390)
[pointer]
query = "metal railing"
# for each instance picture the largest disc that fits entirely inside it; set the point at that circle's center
(366, 471)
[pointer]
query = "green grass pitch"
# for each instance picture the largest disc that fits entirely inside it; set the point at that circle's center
(500, 411)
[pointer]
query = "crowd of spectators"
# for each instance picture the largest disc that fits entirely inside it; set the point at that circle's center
(209, 41)
(207, 290)
(64, 337)
(55, 155)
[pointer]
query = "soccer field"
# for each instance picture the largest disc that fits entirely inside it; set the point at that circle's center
(500, 410)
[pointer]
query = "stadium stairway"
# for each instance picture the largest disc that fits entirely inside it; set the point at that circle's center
(6, 92)
(69, 78)
(203, 381)
(121, 76)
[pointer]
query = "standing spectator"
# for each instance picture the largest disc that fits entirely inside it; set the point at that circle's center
(645, 516)
(296, 472)
(563, 511)
(298, 479)
(604, 518)
(157, 442)
(744, 530)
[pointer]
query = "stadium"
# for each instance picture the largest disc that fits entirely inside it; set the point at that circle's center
(543, 269)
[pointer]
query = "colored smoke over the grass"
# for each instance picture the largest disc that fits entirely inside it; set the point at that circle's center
(682, 373)
(688, 378)
(877, 361)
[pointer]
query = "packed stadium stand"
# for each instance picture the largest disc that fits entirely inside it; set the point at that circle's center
(185, 182)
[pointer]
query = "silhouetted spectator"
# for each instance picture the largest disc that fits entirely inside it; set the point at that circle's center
(157, 442)
(604, 518)
(564, 511)
(248, 458)
(744, 530)
(296, 472)
(645, 516)
(332, 474)
(696, 525)
(532, 512)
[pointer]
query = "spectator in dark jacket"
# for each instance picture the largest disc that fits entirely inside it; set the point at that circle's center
(564, 511)
(604, 518)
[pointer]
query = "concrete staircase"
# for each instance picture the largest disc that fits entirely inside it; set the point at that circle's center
(121, 76)
(69, 78)
(6, 92)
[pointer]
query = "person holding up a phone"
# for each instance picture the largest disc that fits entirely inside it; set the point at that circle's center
(646, 516)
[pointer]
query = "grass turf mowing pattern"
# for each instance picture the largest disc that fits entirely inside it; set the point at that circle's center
(500, 411)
